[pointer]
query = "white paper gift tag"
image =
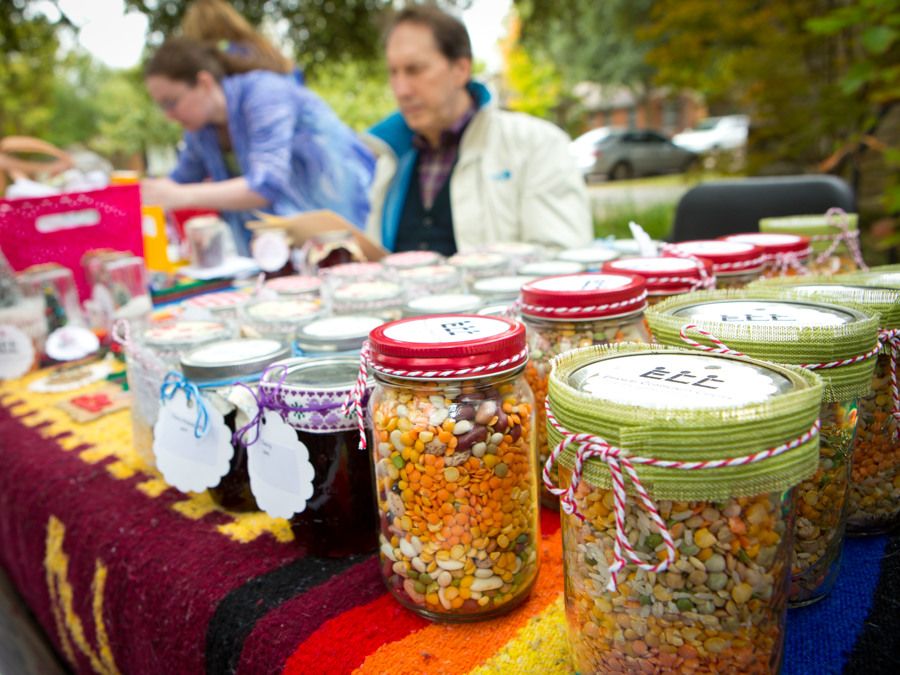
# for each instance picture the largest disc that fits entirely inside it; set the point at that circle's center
(16, 353)
(281, 476)
(186, 462)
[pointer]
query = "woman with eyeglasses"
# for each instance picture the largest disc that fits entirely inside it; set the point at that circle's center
(266, 142)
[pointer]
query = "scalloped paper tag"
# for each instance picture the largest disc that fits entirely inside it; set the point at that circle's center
(188, 463)
(281, 476)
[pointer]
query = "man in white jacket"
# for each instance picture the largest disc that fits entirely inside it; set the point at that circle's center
(454, 171)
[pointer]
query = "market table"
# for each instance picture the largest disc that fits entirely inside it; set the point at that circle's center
(127, 575)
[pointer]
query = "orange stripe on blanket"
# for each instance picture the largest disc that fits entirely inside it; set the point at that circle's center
(452, 649)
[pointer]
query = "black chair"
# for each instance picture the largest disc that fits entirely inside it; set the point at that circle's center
(724, 207)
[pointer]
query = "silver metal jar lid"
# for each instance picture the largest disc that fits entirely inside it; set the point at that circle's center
(443, 303)
(336, 333)
(679, 380)
(331, 373)
(770, 312)
(228, 359)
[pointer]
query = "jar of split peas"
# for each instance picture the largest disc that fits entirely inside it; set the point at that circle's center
(455, 464)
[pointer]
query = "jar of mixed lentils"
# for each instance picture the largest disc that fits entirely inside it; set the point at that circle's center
(834, 341)
(834, 236)
(734, 264)
(666, 277)
(577, 310)
(217, 369)
(455, 467)
(785, 254)
(335, 335)
(445, 303)
(339, 518)
(709, 594)
(382, 298)
(148, 357)
(278, 319)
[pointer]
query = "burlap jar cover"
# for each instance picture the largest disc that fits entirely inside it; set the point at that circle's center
(840, 344)
(684, 543)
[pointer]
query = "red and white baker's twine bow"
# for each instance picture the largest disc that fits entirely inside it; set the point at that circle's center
(353, 402)
(790, 260)
(889, 338)
(630, 303)
(839, 218)
(707, 280)
(617, 460)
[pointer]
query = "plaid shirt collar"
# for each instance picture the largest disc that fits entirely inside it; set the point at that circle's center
(449, 137)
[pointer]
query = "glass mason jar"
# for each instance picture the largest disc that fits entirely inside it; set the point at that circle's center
(447, 303)
(735, 264)
(295, 286)
(223, 306)
(455, 467)
(593, 258)
(834, 237)
(666, 277)
(496, 290)
(381, 298)
(578, 310)
(147, 360)
(340, 518)
(206, 238)
(786, 255)
(475, 266)
(278, 319)
(433, 280)
(715, 603)
(807, 332)
(216, 369)
(56, 285)
(408, 260)
(335, 335)
(519, 252)
(550, 268)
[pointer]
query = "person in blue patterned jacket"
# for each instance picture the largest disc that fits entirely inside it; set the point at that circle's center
(266, 142)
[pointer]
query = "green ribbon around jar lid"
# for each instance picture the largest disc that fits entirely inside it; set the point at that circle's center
(886, 276)
(812, 226)
(846, 290)
(686, 434)
(780, 343)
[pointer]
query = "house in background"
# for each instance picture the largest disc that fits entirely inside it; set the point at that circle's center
(660, 108)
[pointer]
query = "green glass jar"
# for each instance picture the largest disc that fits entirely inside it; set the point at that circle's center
(704, 587)
(815, 335)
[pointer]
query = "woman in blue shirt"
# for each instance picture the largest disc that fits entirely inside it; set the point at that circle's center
(267, 142)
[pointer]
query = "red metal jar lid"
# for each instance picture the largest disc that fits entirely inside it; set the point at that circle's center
(773, 243)
(448, 346)
(589, 295)
(727, 257)
(665, 275)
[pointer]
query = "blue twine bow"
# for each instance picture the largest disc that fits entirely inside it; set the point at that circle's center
(174, 382)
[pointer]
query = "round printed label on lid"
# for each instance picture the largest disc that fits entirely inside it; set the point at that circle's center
(679, 381)
(581, 282)
(444, 329)
(773, 313)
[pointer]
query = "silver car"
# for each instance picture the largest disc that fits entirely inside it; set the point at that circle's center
(625, 153)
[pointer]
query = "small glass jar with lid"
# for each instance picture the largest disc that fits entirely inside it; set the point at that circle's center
(474, 266)
(339, 518)
(296, 286)
(592, 258)
(500, 289)
(217, 369)
(577, 310)
(834, 237)
(875, 474)
(148, 357)
(56, 285)
(837, 343)
(446, 303)
(407, 260)
(666, 277)
(455, 467)
(695, 573)
(735, 264)
(381, 298)
(224, 305)
(550, 268)
(519, 252)
(433, 279)
(786, 254)
(335, 335)
(207, 241)
(350, 273)
(278, 319)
